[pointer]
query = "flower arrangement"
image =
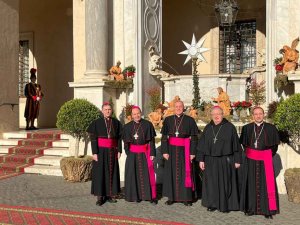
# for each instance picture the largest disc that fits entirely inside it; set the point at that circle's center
(277, 64)
(241, 105)
(129, 71)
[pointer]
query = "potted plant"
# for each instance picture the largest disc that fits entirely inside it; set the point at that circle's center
(287, 119)
(73, 118)
(277, 64)
(241, 108)
(129, 71)
(280, 79)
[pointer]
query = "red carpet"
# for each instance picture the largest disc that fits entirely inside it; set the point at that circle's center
(18, 215)
(25, 152)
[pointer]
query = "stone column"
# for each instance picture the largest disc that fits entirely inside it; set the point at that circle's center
(96, 31)
(271, 48)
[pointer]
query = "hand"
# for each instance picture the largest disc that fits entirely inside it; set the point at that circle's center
(119, 155)
(95, 157)
(202, 165)
(166, 156)
(237, 165)
(38, 98)
(152, 158)
(192, 157)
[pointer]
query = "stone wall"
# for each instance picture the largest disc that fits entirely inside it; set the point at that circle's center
(234, 85)
(9, 68)
(51, 24)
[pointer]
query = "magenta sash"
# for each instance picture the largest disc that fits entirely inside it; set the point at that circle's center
(107, 143)
(266, 156)
(184, 142)
(146, 149)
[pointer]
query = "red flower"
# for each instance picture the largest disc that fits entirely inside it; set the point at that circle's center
(278, 67)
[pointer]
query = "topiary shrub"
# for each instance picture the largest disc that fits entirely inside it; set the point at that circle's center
(287, 117)
(74, 117)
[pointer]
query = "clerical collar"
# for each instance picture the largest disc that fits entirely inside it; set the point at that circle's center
(178, 116)
(258, 124)
(138, 121)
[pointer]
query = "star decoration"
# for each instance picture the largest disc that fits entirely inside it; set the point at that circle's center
(194, 50)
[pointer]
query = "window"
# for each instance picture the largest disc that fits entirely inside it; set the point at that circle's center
(23, 66)
(237, 47)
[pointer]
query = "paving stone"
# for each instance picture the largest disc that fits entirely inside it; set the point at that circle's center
(56, 193)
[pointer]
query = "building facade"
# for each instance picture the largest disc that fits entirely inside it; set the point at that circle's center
(73, 43)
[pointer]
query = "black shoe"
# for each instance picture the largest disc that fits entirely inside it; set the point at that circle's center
(269, 217)
(99, 202)
(32, 128)
(111, 200)
(138, 201)
(169, 202)
(211, 209)
(249, 213)
(187, 203)
(154, 202)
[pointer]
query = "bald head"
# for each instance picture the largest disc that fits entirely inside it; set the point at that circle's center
(216, 114)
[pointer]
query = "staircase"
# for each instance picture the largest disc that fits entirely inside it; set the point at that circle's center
(37, 152)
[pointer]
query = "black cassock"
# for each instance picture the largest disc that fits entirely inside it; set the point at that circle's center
(254, 196)
(175, 167)
(220, 179)
(137, 180)
(105, 172)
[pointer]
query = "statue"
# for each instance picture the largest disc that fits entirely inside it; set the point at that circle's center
(290, 57)
(156, 118)
(116, 72)
(193, 113)
(171, 110)
(223, 101)
(155, 64)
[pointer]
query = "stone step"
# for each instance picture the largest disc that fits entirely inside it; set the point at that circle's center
(48, 160)
(44, 170)
(61, 143)
(4, 149)
(23, 134)
(6, 142)
(57, 152)
(50, 151)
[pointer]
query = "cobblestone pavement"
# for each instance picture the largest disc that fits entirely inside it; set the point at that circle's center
(54, 192)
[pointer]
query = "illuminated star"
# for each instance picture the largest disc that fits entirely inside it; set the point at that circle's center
(194, 50)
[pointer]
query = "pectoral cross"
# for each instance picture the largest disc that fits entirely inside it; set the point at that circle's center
(176, 133)
(215, 140)
(255, 144)
(136, 136)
